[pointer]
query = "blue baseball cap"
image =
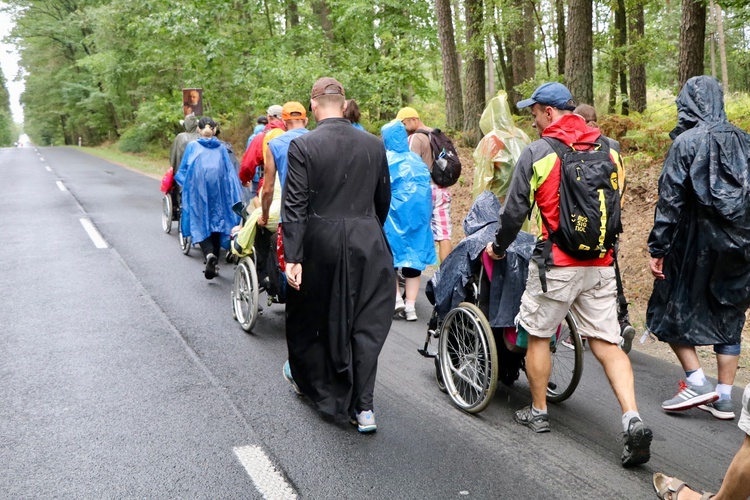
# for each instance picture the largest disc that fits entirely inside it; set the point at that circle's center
(552, 94)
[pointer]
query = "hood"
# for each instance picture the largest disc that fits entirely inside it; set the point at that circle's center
(571, 128)
(483, 212)
(497, 115)
(211, 143)
(275, 124)
(191, 123)
(701, 100)
(395, 137)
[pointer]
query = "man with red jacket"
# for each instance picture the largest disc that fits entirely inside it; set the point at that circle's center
(254, 154)
(586, 287)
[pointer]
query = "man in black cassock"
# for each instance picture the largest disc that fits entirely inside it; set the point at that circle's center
(335, 202)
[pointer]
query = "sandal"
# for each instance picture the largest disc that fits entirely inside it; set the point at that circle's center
(668, 488)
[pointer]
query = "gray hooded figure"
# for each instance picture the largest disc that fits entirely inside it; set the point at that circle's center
(702, 225)
(181, 141)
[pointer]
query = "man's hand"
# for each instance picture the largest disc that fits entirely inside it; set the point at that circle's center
(492, 254)
(656, 266)
(263, 220)
(294, 274)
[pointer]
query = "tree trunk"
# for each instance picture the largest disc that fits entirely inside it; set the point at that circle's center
(637, 60)
(320, 8)
(490, 69)
(712, 38)
(692, 40)
(522, 60)
(560, 8)
(621, 26)
(475, 90)
(454, 107)
(722, 48)
(529, 34)
(579, 68)
(292, 14)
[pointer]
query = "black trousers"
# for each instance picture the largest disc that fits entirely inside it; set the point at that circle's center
(212, 244)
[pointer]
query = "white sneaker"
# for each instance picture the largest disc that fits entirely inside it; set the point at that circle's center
(365, 422)
(410, 313)
(400, 306)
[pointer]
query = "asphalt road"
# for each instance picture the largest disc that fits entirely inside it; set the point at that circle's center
(123, 374)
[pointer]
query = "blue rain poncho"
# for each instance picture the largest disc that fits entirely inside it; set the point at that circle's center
(210, 187)
(407, 227)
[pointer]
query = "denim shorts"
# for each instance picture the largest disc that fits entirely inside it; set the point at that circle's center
(728, 349)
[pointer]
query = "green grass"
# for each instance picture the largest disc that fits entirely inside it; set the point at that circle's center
(153, 166)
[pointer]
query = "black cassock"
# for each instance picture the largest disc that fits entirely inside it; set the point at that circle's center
(335, 202)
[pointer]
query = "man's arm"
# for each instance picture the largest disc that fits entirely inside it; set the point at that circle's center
(268, 187)
(672, 195)
(383, 191)
(295, 202)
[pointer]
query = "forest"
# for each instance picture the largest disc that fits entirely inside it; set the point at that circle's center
(113, 70)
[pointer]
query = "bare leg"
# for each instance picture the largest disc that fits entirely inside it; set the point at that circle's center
(444, 248)
(412, 288)
(538, 366)
(617, 366)
(727, 368)
(736, 484)
(687, 356)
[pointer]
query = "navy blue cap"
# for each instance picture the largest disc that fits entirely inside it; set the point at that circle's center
(552, 94)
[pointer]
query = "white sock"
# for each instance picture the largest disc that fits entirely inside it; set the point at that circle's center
(724, 390)
(696, 378)
(627, 417)
(410, 304)
(536, 412)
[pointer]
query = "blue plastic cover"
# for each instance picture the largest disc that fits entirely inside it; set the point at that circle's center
(448, 285)
(408, 224)
(210, 187)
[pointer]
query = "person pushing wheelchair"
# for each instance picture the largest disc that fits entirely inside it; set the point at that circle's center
(572, 267)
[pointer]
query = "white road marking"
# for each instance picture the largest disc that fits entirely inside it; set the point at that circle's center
(41, 158)
(48, 169)
(61, 186)
(93, 234)
(269, 482)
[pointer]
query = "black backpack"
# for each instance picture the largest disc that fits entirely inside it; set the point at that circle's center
(446, 167)
(589, 201)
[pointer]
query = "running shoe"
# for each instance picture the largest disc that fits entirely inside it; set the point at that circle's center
(628, 334)
(410, 313)
(400, 306)
(690, 396)
(637, 449)
(287, 371)
(365, 422)
(211, 270)
(723, 409)
(538, 423)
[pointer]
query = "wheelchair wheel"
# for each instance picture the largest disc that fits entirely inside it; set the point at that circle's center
(186, 242)
(245, 294)
(567, 363)
(468, 358)
(166, 213)
(439, 376)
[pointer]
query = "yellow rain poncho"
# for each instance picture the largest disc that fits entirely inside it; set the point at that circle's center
(496, 155)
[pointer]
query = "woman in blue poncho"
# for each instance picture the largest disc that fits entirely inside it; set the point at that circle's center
(210, 187)
(408, 224)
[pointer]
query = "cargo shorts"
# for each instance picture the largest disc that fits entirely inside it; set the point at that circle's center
(589, 292)
(744, 422)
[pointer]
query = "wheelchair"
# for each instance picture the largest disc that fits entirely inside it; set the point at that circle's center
(170, 209)
(472, 356)
(259, 272)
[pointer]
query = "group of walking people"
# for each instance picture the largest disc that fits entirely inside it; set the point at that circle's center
(352, 208)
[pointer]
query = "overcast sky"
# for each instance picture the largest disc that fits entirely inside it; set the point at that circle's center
(9, 63)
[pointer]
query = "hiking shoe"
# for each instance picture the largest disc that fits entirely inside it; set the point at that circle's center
(723, 409)
(690, 396)
(628, 334)
(287, 371)
(410, 313)
(637, 448)
(539, 423)
(400, 306)
(365, 422)
(211, 270)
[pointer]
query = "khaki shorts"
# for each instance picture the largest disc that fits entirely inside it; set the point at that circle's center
(744, 422)
(589, 292)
